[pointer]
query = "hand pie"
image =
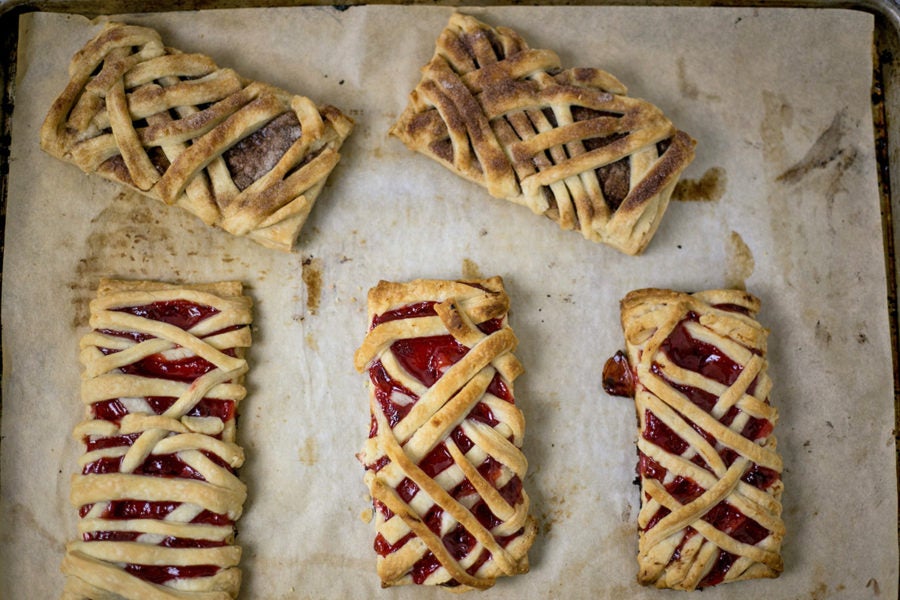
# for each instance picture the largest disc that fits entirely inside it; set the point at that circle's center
(443, 460)
(709, 471)
(241, 155)
(568, 144)
(157, 493)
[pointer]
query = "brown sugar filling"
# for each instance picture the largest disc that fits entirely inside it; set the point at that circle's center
(258, 153)
(247, 161)
(614, 178)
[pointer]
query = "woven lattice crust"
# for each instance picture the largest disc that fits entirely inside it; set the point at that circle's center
(157, 492)
(443, 459)
(709, 470)
(240, 155)
(569, 144)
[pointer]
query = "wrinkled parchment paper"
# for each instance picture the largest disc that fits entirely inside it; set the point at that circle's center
(784, 201)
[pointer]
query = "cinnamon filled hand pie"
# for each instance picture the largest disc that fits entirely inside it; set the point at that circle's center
(241, 155)
(567, 143)
(157, 493)
(443, 460)
(709, 471)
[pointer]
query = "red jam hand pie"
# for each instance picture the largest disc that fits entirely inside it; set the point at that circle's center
(443, 460)
(709, 471)
(157, 493)
(567, 143)
(238, 154)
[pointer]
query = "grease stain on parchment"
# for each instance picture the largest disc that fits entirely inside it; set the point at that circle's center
(312, 279)
(123, 232)
(136, 237)
(819, 592)
(22, 513)
(311, 342)
(470, 270)
(778, 116)
(709, 188)
(558, 512)
(623, 534)
(819, 176)
(309, 452)
(827, 150)
(739, 263)
(687, 87)
(822, 333)
(873, 583)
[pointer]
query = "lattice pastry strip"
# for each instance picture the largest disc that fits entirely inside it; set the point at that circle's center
(157, 492)
(709, 470)
(569, 144)
(241, 155)
(443, 460)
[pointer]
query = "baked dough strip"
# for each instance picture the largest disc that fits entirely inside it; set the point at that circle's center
(709, 469)
(567, 143)
(166, 123)
(466, 522)
(157, 493)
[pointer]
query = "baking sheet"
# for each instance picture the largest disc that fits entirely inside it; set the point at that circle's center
(785, 203)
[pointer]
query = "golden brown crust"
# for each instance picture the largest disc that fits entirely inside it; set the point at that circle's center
(440, 420)
(171, 125)
(711, 393)
(569, 144)
(175, 457)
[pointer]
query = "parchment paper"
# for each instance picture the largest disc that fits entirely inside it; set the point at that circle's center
(779, 101)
